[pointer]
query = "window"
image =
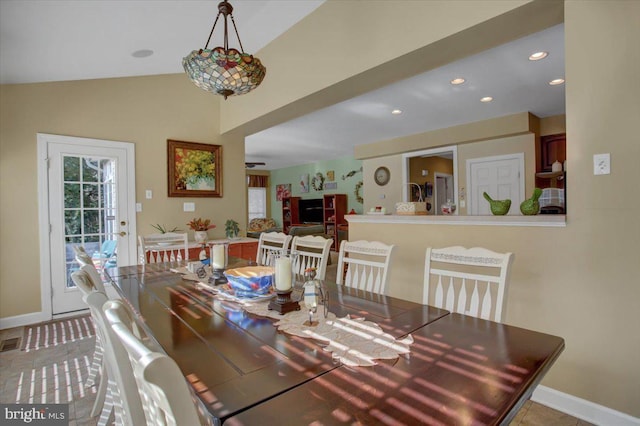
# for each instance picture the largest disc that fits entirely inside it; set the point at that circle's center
(257, 203)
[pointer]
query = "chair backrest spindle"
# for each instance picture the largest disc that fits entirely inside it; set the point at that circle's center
(311, 252)
(477, 271)
(270, 243)
(364, 265)
(158, 248)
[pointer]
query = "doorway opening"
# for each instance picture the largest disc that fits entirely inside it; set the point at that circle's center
(422, 168)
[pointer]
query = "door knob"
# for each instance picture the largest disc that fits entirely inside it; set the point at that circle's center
(122, 234)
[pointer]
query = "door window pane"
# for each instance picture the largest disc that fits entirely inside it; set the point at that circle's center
(91, 195)
(90, 170)
(91, 222)
(71, 195)
(72, 222)
(71, 166)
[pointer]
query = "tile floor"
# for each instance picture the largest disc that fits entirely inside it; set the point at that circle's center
(24, 375)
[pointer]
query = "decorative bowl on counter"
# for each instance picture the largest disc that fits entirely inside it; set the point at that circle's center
(255, 280)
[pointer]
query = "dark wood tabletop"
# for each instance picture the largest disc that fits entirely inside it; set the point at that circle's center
(461, 371)
(236, 360)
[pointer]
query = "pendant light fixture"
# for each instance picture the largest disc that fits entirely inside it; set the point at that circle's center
(221, 70)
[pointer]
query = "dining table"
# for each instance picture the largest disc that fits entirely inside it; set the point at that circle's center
(245, 371)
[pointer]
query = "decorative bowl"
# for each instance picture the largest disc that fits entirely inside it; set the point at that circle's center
(256, 280)
(500, 207)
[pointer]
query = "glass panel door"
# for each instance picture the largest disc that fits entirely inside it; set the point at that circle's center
(90, 211)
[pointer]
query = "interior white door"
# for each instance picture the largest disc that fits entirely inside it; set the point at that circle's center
(89, 204)
(501, 177)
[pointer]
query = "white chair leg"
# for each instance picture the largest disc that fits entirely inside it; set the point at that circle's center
(108, 407)
(100, 394)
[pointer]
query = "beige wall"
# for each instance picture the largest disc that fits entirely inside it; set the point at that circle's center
(146, 111)
(553, 125)
(579, 282)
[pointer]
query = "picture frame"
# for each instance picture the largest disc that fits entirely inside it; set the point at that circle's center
(304, 183)
(194, 169)
(330, 185)
(283, 190)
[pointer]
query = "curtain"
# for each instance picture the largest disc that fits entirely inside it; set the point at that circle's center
(258, 181)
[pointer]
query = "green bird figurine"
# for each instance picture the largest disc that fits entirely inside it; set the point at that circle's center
(498, 207)
(531, 206)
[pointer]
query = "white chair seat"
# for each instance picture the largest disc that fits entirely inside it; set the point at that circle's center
(467, 281)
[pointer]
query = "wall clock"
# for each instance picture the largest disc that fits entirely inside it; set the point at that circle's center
(382, 176)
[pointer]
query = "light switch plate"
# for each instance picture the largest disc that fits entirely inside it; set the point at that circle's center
(149, 194)
(189, 207)
(138, 207)
(602, 164)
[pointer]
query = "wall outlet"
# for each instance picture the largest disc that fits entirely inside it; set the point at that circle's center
(189, 207)
(601, 164)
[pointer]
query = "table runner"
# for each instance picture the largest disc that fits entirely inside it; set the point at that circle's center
(352, 341)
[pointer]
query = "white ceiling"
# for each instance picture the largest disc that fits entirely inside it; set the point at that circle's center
(75, 40)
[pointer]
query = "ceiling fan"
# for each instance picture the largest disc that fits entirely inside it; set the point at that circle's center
(251, 165)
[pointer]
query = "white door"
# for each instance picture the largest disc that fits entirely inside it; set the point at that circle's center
(502, 177)
(89, 186)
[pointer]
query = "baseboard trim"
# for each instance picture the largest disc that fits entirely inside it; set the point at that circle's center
(581, 408)
(22, 320)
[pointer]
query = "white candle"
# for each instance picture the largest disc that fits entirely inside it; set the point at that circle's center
(283, 273)
(217, 256)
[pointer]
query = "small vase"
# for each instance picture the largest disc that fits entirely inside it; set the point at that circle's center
(200, 236)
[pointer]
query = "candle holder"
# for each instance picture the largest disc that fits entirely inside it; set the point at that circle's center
(283, 278)
(283, 303)
(219, 262)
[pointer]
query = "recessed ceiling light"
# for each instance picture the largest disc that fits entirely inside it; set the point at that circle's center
(457, 81)
(556, 81)
(537, 56)
(142, 53)
(486, 99)
(396, 112)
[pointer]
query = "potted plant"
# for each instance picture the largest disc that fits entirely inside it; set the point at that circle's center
(231, 229)
(163, 229)
(200, 227)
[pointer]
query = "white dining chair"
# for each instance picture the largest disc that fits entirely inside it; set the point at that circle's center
(271, 243)
(83, 258)
(364, 265)
(165, 394)
(97, 360)
(311, 251)
(121, 397)
(467, 281)
(168, 247)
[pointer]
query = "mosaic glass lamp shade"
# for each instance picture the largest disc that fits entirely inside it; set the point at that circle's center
(221, 70)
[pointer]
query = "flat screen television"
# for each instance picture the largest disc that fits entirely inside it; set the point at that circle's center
(310, 210)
